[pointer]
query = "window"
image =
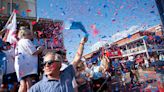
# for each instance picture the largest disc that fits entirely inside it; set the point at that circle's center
(14, 6)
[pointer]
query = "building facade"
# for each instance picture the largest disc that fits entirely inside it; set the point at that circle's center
(25, 8)
(149, 42)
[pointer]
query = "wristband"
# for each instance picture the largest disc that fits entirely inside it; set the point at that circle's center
(82, 43)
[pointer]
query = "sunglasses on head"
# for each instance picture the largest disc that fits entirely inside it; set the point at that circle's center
(49, 62)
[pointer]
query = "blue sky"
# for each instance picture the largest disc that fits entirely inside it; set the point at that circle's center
(108, 16)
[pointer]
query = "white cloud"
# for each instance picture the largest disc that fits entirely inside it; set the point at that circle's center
(117, 36)
(125, 33)
(97, 45)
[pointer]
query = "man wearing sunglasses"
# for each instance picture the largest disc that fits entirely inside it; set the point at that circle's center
(54, 80)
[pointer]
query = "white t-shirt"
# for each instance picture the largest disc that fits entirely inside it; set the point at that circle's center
(10, 61)
(63, 66)
(25, 62)
(95, 68)
(123, 61)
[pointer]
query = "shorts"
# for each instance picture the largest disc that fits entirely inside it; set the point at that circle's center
(10, 78)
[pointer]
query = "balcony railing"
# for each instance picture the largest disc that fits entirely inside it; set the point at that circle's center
(133, 51)
(142, 49)
(155, 47)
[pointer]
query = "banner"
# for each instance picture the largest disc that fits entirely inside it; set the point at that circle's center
(113, 53)
(11, 27)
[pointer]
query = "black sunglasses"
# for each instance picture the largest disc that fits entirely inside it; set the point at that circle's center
(49, 62)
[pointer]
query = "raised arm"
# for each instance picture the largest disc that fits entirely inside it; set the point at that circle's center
(79, 52)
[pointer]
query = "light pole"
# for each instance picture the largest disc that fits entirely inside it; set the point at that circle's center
(0, 3)
(160, 6)
(11, 6)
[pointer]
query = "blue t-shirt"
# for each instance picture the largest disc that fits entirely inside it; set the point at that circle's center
(97, 75)
(116, 64)
(64, 84)
(129, 64)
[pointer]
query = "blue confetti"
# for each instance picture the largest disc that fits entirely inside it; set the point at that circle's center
(23, 14)
(89, 9)
(105, 6)
(152, 11)
(103, 36)
(129, 36)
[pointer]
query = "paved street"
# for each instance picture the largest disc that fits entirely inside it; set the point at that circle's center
(148, 83)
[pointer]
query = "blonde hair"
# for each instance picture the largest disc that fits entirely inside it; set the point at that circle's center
(22, 32)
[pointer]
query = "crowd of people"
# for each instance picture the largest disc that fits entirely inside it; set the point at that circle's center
(21, 68)
(101, 72)
(24, 70)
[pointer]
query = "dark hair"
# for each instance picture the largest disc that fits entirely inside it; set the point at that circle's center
(61, 52)
(7, 43)
(3, 44)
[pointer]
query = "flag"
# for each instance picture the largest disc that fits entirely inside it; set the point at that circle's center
(11, 27)
(76, 25)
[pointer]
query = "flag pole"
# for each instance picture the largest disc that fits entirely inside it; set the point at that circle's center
(3, 30)
(11, 6)
(31, 26)
(10, 18)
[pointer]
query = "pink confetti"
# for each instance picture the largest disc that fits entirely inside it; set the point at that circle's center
(16, 11)
(33, 22)
(3, 8)
(28, 10)
(95, 31)
(39, 33)
(55, 40)
(142, 9)
(115, 13)
(93, 26)
(99, 12)
(121, 6)
(150, 37)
